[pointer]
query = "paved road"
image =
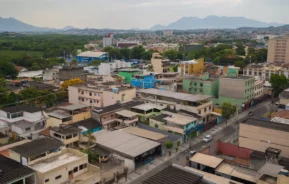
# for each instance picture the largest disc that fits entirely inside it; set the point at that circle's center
(218, 132)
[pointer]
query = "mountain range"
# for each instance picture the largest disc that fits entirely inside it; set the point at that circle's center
(213, 22)
(185, 23)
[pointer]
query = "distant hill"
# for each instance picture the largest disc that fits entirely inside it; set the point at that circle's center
(14, 25)
(213, 22)
(68, 28)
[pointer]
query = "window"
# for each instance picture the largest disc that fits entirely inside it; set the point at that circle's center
(90, 94)
(156, 126)
(75, 169)
(57, 177)
(68, 136)
(70, 172)
(47, 180)
(75, 134)
(84, 166)
(27, 129)
(199, 112)
(201, 84)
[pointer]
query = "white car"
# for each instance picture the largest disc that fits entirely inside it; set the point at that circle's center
(207, 138)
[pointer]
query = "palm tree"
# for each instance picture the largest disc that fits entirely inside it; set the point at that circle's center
(150, 68)
(91, 138)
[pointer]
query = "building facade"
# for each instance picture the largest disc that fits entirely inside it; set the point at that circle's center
(108, 68)
(144, 81)
(192, 67)
(258, 88)
(159, 64)
(163, 47)
(278, 50)
(88, 56)
(128, 74)
(236, 90)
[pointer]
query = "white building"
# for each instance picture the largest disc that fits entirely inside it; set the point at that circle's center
(258, 88)
(107, 41)
(108, 68)
(23, 120)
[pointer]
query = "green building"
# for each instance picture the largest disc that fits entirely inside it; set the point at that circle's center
(128, 74)
(202, 85)
(236, 90)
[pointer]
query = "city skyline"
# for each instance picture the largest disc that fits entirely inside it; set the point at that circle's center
(143, 14)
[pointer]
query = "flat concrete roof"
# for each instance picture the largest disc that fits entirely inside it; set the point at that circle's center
(55, 162)
(126, 113)
(270, 169)
(144, 133)
(59, 115)
(148, 106)
(180, 119)
(125, 143)
(207, 160)
(238, 172)
(212, 177)
(175, 95)
(73, 107)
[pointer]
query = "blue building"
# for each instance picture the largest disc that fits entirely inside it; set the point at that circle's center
(144, 81)
(88, 56)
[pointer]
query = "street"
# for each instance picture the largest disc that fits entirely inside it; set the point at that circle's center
(218, 132)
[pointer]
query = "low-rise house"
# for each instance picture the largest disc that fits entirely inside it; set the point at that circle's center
(147, 110)
(55, 164)
(284, 99)
(68, 135)
(160, 64)
(199, 104)
(100, 96)
(110, 67)
(107, 115)
(4, 149)
(192, 67)
(144, 81)
(176, 123)
(12, 172)
(23, 121)
(128, 74)
(258, 89)
(133, 150)
(68, 114)
(88, 125)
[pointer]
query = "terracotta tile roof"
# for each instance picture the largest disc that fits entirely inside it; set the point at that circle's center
(45, 132)
(282, 114)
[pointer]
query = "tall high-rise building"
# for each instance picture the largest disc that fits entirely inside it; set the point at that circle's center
(278, 50)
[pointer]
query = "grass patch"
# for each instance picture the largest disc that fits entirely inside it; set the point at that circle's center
(16, 54)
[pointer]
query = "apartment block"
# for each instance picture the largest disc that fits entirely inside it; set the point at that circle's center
(66, 134)
(163, 47)
(55, 164)
(100, 96)
(278, 50)
(192, 67)
(160, 65)
(199, 104)
(258, 88)
(109, 67)
(236, 90)
(23, 121)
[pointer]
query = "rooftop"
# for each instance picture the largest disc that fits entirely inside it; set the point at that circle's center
(144, 133)
(87, 124)
(181, 111)
(73, 107)
(23, 124)
(37, 147)
(148, 106)
(180, 119)
(116, 107)
(129, 70)
(207, 160)
(125, 143)
(267, 124)
(238, 172)
(65, 130)
(160, 117)
(91, 54)
(282, 114)
(174, 175)
(11, 170)
(21, 108)
(175, 95)
(270, 169)
(126, 113)
(240, 77)
(58, 114)
(64, 158)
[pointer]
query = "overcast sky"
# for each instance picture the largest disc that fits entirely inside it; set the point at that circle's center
(136, 13)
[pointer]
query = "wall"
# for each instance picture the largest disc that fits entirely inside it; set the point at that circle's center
(128, 75)
(129, 94)
(233, 101)
(53, 122)
(81, 116)
(4, 140)
(66, 74)
(233, 150)
(73, 95)
(157, 63)
(14, 156)
(232, 88)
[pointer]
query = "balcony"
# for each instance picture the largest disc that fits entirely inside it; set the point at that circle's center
(129, 122)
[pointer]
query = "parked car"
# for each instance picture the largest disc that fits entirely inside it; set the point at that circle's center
(207, 138)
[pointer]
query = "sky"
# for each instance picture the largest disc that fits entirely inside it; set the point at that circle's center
(127, 14)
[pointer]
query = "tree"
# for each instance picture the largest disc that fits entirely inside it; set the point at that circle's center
(240, 49)
(92, 156)
(251, 51)
(74, 81)
(171, 54)
(240, 64)
(35, 66)
(95, 62)
(125, 53)
(169, 146)
(227, 110)
(7, 69)
(74, 62)
(147, 55)
(279, 83)
(136, 52)
(91, 138)
(150, 68)
(3, 91)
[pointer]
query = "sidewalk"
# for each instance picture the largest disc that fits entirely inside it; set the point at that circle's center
(184, 147)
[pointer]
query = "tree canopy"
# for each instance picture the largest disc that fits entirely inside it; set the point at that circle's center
(228, 110)
(74, 81)
(279, 83)
(7, 69)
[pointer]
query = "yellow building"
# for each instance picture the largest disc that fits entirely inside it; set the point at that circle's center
(192, 67)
